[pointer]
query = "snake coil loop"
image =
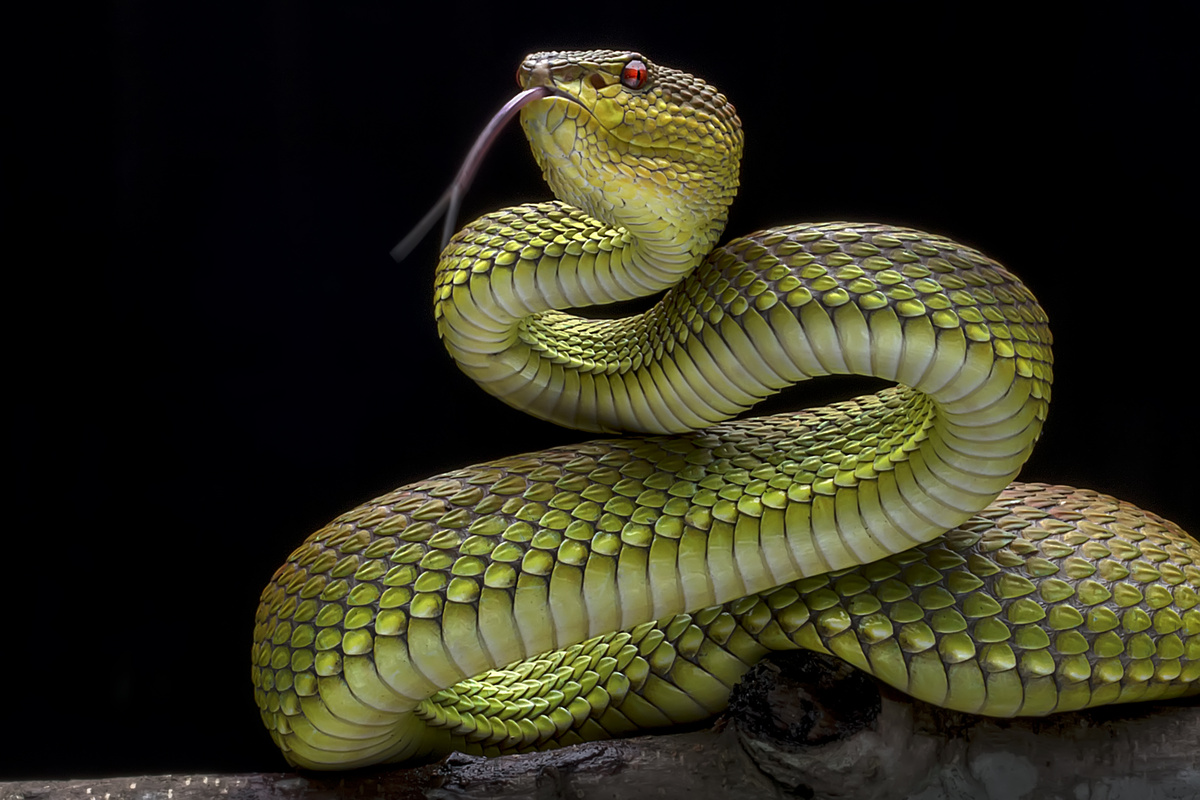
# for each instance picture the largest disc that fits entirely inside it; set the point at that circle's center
(627, 583)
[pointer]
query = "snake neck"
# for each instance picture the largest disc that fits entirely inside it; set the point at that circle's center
(644, 180)
(505, 280)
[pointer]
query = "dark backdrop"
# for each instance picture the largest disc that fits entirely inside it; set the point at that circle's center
(211, 354)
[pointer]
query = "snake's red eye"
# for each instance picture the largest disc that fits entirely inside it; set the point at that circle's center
(634, 74)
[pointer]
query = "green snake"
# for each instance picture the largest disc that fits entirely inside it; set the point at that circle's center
(625, 584)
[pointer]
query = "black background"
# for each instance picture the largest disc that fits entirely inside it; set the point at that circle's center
(210, 353)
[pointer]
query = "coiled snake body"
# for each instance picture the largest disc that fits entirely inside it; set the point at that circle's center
(623, 584)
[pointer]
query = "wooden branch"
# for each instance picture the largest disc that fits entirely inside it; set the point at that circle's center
(798, 726)
(401, 784)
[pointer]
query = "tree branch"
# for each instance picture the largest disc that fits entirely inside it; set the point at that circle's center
(798, 726)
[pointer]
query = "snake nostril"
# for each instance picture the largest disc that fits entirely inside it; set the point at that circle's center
(596, 81)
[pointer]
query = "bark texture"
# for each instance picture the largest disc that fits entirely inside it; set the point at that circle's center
(798, 726)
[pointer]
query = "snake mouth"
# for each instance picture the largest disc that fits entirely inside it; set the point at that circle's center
(554, 92)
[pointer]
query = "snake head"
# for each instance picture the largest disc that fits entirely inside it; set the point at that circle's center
(633, 143)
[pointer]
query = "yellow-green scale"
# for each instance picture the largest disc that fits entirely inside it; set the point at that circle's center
(745, 523)
(905, 618)
(959, 622)
(381, 638)
(485, 536)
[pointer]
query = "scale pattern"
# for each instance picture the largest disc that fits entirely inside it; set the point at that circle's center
(1053, 599)
(625, 584)
(1036, 600)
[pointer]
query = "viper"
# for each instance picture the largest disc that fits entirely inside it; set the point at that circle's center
(626, 584)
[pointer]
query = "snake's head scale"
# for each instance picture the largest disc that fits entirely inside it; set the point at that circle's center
(634, 143)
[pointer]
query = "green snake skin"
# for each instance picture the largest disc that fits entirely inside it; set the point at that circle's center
(626, 584)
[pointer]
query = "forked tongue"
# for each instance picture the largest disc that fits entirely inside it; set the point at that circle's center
(451, 199)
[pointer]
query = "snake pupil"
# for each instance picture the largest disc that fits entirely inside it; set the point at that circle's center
(634, 74)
